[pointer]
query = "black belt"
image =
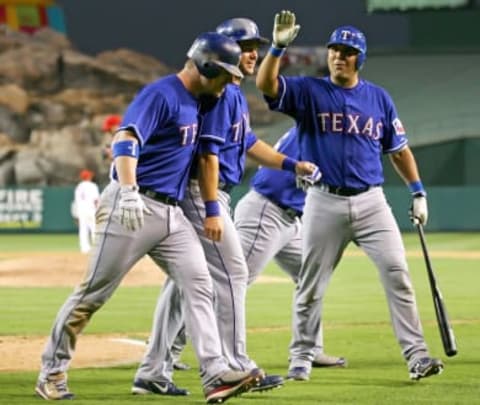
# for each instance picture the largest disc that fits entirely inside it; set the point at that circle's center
(343, 191)
(290, 212)
(163, 198)
(221, 185)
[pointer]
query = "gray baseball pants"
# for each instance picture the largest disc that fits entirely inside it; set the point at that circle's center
(228, 269)
(330, 223)
(166, 237)
(268, 233)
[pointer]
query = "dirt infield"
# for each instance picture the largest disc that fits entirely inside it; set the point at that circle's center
(22, 353)
(67, 269)
(64, 269)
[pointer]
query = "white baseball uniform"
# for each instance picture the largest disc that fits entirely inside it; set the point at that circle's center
(86, 202)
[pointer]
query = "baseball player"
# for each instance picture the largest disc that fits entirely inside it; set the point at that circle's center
(344, 125)
(268, 221)
(86, 196)
(153, 151)
(226, 140)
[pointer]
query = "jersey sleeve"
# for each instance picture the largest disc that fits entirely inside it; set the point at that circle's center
(251, 139)
(207, 147)
(215, 122)
(144, 114)
(394, 135)
(291, 96)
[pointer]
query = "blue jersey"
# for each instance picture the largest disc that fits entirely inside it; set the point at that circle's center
(343, 131)
(226, 132)
(163, 116)
(280, 186)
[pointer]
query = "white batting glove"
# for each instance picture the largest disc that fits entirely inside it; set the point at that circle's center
(284, 29)
(306, 181)
(419, 210)
(131, 208)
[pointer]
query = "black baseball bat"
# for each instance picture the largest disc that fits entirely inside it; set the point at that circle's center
(446, 330)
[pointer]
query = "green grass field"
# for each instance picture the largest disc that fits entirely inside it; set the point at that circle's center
(356, 326)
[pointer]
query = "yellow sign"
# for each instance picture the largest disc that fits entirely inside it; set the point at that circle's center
(27, 2)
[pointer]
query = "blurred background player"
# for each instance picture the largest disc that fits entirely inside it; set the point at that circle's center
(269, 222)
(85, 203)
(344, 125)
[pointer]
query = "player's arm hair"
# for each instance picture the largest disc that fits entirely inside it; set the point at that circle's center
(126, 166)
(265, 155)
(267, 75)
(405, 165)
(208, 173)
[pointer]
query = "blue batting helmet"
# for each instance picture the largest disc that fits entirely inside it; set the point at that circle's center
(241, 29)
(212, 53)
(353, 37)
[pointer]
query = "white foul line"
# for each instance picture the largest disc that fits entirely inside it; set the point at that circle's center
(135, 342)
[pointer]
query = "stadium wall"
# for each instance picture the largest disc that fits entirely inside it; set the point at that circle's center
(47, 210)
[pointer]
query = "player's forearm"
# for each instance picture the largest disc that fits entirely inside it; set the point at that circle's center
(405, 165)
(265, 155)
(208, 173)
(267, 75)
(126, 170)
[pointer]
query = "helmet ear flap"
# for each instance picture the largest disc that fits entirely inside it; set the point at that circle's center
(360, 60)
(209, 69)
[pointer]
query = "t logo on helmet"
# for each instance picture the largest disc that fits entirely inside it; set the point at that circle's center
(346, 35)
(349, 35)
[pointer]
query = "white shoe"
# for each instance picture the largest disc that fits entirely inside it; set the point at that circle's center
(324, 360)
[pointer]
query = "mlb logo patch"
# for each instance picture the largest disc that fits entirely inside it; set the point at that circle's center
(397, 124)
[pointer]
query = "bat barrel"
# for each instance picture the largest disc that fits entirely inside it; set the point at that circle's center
(446, 331)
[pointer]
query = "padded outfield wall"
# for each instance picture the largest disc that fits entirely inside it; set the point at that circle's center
(451, 163)
(451, 208)
(450, 172)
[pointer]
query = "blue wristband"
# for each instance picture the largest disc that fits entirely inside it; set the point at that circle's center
(125, 148)
(289, 164)
(212, 208)
(416, 188)
(277, 52)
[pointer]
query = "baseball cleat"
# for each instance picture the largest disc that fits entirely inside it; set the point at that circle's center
(267, 383)
(181, 366)
(298, 374)
(54, 388)
(425, 367)
(324, 360)
(144, 387)
(229, 384)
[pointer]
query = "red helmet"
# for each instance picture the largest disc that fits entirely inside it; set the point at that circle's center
(110, 122)
(86, 174)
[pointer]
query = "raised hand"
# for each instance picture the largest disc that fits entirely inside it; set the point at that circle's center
(284, 29)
